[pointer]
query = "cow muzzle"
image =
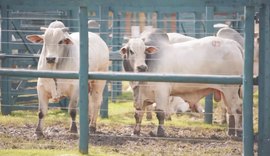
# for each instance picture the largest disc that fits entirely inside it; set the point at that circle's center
(142, 68)
(50, 60)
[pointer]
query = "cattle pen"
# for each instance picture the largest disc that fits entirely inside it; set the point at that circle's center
(170, 16)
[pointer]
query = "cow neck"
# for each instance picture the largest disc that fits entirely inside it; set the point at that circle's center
(152, 61)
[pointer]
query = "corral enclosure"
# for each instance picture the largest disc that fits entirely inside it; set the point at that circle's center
(115, 24)
(119, 26)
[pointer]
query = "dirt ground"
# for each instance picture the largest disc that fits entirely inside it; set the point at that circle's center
(179, 141)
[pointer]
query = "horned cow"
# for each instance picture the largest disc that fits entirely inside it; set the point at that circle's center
(60, 52)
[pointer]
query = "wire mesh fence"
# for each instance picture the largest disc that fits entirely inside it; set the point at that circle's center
(119, 28)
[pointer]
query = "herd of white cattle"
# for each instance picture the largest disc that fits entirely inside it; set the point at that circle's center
(153, 51)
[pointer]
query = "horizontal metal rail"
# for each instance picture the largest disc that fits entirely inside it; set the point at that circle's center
(114, 56)
(120, 76)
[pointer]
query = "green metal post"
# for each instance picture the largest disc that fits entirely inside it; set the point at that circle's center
(208, 117)
(117, 45)
(83, 77)
(178, 23)
(160, 20)
(264, 82)
(248, 135)
(198, 18)
(105, 103)
(73, 27)
(118, 31)
(104, 34)
(6, 103)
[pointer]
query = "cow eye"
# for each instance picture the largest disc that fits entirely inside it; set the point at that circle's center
(61, 42)
(131, 52)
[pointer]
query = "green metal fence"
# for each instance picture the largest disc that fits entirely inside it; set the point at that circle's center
(117, 5)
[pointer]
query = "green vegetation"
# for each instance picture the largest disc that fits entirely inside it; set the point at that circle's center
(94, 151)
(20, 118)
(38, 153)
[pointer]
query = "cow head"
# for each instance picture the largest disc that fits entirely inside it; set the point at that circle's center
(55, 41)
(134, 55)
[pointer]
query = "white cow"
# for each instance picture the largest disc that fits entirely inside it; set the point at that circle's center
(224, 56)
(60, 52)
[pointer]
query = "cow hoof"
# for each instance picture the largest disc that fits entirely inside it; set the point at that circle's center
(92, 129)
(73, 128)
(75, 131)
(231, 132)
(135, 132)
(38, 135)
(239, 133)
(161, 132)
(152, 134)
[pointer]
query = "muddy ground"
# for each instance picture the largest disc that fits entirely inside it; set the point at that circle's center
(179, 141)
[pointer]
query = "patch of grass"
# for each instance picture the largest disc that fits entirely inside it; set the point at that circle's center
(120, 113)
(125, 97)
(192, 120)
(93, 151)
(21, 118)
(38, 153)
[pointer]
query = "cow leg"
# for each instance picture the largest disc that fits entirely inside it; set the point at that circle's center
(43, 99)
(95, 99)
(235, 123)
(223, 115)
(235, 128)
(234, 110)
(149, 112)
(238, 123)
(138, 118)
(231, 125)
(161, 118)
(162, 101)
(72, 112)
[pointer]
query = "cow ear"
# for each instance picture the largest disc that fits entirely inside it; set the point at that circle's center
(151, 50)
(123, 51)
(67, 41)
(35, 38)
(43, 29)
(65, 29)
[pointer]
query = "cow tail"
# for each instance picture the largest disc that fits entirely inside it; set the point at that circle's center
(240, 91)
